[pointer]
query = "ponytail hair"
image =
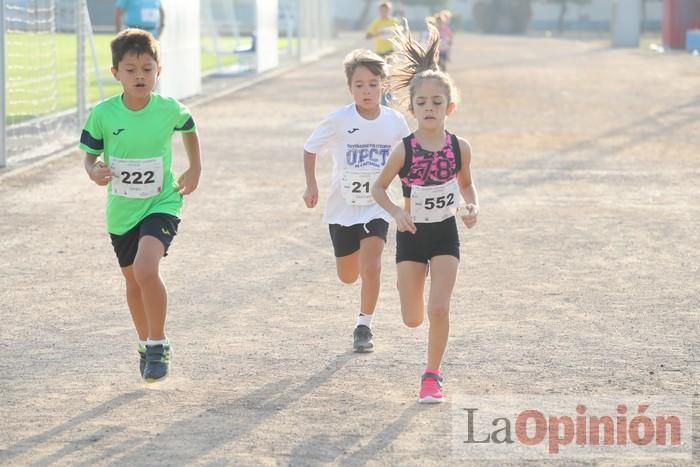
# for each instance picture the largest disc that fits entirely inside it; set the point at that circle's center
(415, 62)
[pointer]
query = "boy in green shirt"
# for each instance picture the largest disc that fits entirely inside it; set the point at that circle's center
(133, 132)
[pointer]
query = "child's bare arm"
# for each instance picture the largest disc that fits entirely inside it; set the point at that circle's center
(96, 170)
(119, 19)
(466, 185)
(390, 171)
(311, 192)
(189, 180)
(162, 21)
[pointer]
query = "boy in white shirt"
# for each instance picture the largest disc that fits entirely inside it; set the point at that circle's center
(360, 136)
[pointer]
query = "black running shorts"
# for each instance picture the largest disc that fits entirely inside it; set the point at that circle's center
(346, 239)
(161, 226)
(433, 239)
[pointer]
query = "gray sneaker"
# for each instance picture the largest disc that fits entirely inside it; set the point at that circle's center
(142, 359)
(362, 339)
(157, 362)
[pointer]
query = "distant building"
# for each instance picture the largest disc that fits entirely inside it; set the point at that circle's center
(593, 16)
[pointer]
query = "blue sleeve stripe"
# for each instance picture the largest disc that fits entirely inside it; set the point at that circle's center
(87, 139)
(189, 124)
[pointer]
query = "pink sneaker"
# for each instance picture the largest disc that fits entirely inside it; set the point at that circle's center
(430, 389)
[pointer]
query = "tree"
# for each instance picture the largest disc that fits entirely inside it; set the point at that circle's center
(502, 16)
(563, 8)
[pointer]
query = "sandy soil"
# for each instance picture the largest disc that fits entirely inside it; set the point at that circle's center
(581, 277)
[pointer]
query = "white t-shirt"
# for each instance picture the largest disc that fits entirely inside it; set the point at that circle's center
(356, 143)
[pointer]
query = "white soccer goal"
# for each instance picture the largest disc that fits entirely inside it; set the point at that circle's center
(315, 25)
(44, 46)
(221, 35)
(50, 74)
(239, 35)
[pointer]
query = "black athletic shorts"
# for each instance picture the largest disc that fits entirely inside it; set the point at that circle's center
(346, 239)
(161, 226)
(433, 239)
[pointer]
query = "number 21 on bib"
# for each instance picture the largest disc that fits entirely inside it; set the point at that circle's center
(434, 203)
(136, 178)
(356, 186)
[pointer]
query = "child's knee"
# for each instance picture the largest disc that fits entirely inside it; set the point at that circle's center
(412, 317)
(347, 269)
(144, 272)
(413, 321)
(347, 277)
(440, 311)
(371, 271)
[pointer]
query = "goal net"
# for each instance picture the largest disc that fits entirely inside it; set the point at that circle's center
(43, 86)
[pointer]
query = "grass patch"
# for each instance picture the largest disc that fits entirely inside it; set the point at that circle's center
(41, 76)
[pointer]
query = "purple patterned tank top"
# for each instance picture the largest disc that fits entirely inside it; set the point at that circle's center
(428, 168)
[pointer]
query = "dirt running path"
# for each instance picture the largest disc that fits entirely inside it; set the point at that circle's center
(580, 278)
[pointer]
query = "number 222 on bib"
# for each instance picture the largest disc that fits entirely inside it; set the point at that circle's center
(136, 178)
(356, 186)
(434, 203)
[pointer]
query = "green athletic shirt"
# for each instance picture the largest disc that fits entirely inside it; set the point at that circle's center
(115, 131)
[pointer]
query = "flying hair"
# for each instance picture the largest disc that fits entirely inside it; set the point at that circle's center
(415, 62)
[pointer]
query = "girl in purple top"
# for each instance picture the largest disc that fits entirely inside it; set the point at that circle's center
(434, 167)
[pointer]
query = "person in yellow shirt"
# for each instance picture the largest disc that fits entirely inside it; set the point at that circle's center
(381, 30)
